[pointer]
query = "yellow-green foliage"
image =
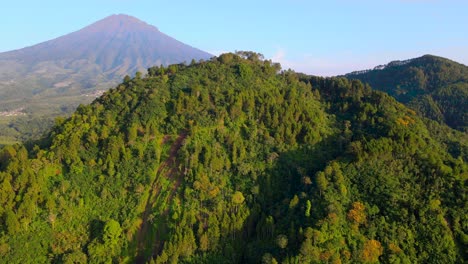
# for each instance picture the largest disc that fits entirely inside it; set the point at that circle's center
(232, 160)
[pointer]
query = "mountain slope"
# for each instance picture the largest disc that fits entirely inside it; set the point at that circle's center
(117, 45)
(436, 87)
(53, 77)
(230, 161)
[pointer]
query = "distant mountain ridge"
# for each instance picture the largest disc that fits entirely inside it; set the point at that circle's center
(384, 66)
(119, 44)
(52, 78)
(95, 57)
(435, 87)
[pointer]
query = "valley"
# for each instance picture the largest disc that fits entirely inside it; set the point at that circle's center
(233, 160)
(343, 144)
(52, 78)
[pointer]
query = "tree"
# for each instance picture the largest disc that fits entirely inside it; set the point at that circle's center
(371, 251)
(294, 201)
(282, 241)
(268, 259)
(12, 223)
(322, 182)
(237, 199)
(138, 75)
(98, 253)
(204, 242)
(357, 214)
(112, 232)
(308, 207)
(75, 257)
(132, 132)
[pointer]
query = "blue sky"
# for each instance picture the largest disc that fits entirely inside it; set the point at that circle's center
(318, 37)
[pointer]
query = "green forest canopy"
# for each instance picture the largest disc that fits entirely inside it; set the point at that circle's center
(435, 87)
(234, 161)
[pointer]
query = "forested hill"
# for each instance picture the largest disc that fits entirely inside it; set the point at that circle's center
(232, 161)
(52, 78)
(435, 87)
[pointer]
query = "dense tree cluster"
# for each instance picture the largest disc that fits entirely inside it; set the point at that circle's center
(234, 161)
(435, 87)
(24, 128)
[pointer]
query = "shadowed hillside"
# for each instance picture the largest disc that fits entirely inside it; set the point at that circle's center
(233, 161)
(435, 87)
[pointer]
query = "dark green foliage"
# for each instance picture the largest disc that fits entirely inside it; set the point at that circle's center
(435, 87)
(232, 161)
(52, 78)
(24, 128)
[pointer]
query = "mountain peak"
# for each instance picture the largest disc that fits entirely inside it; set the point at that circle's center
(433, 86)
(95, 57)
(120, 22)
(123, 18)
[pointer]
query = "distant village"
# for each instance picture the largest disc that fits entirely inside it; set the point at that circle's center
(15, 112)
(95, 94)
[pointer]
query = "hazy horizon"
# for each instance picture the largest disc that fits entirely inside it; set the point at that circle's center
(330, 38)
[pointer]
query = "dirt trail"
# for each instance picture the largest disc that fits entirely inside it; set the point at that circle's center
(168, 169)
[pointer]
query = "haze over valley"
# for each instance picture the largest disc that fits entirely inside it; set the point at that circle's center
(121, 144)
(52, 78)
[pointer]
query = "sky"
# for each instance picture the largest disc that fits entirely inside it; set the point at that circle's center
(328, 37)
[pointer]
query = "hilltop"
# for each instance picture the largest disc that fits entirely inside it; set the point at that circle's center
(232, 160)
(435, 87)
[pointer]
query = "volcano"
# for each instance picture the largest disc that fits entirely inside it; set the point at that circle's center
(87, 61)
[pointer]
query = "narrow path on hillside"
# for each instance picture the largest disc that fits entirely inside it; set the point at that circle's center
(168, 169)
